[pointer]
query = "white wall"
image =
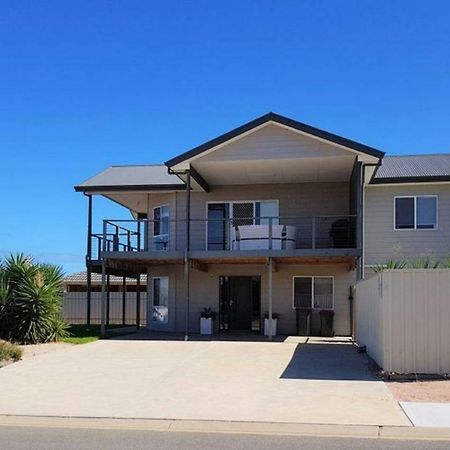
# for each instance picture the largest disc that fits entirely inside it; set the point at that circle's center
(403, 318)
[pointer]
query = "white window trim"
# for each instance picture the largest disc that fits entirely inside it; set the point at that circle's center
(312, 290)
(153, 300)
(230, 203)
(436, 227)
(168, 227)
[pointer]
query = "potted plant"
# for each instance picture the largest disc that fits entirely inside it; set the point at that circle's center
(275, 317)
(207, 316)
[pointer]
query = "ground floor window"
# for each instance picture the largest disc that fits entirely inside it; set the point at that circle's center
(313, 292)
(160, 299)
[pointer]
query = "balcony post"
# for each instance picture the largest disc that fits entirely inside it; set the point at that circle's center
(186, 255)
(88, 262)
(313, 233)
(270, 233)
(138, 235)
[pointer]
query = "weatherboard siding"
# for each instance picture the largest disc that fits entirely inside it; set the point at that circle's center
(383, 242)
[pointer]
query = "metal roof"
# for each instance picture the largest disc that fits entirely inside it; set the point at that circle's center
(96, 278)
(413, 168)
(137, 177)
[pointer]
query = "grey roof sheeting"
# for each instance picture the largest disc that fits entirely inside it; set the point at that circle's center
(138, 178)
(413, 169)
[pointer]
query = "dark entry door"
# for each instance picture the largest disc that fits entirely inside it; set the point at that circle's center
(239, 303)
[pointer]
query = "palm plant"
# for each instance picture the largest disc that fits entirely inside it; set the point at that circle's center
(30, 300)
(423, 263)
(391, 264)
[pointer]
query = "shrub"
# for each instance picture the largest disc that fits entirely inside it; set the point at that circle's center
(30, 301)
(9, 351)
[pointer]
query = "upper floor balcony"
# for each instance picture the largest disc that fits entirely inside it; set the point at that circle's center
(219, 235)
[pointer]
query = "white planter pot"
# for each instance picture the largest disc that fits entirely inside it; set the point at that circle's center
(206, 326)
(274, 327)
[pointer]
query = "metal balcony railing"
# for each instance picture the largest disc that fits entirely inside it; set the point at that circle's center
(226, 234)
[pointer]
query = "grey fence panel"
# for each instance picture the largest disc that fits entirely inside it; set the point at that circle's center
(75, 304)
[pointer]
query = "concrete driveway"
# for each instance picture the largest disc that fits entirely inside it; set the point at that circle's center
(241, 381)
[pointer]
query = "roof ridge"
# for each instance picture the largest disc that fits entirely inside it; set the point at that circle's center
(138, 165)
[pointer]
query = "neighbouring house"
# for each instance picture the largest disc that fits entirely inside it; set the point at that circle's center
(120, 299)
(274, 216)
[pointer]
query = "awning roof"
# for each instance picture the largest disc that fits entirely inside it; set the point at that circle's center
(132, 178)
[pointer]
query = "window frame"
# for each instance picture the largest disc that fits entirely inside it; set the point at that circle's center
(313, 277)
(153, 299)
(415, 197)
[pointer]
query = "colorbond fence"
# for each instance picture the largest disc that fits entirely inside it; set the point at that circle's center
(403, 318)
(75, 304)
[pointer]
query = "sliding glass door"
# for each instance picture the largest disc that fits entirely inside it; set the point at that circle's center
(223, 217)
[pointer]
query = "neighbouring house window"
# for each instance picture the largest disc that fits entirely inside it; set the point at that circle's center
(161, 227)
(160, 300)
(416, 212)
(313, 292)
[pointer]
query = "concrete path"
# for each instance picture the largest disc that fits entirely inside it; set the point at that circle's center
(239, 381)
(428, 414)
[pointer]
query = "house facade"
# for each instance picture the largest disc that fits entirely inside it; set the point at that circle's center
(272, 218)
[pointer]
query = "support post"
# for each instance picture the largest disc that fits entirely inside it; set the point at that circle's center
(124, 299)
(313, 233)
(88, 262)
(270, 266)
(138, 301)
(186, 254)
(108, 298)
(359, 218)
(103, 316)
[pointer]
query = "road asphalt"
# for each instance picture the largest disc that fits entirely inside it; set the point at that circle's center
(42, 438)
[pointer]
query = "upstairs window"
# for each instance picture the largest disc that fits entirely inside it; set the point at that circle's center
(415, 212)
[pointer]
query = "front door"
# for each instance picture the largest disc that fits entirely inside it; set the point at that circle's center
(240, 303)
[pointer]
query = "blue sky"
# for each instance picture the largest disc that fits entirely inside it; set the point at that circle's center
(88, 84)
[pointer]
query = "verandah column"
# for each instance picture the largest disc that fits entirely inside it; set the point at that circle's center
(270, 267)
(88, 262)
(186, 254)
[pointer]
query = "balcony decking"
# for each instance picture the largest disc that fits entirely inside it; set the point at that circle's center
(134, 248)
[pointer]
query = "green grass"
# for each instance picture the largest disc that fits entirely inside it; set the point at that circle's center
(9, 351)
(82, 334)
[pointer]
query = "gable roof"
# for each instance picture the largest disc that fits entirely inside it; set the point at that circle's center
(132, 178)
(276, 118)
(413, 169)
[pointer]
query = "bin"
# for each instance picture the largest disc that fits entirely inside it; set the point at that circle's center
(326, 323)
(303, 321)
